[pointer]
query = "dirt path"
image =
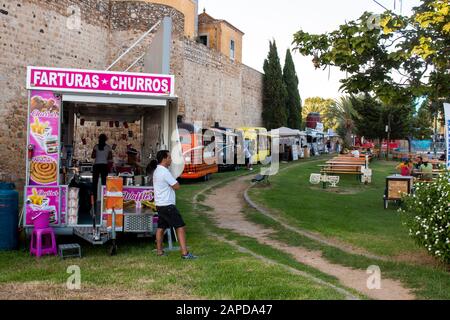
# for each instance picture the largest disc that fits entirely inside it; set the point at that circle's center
(228, 204)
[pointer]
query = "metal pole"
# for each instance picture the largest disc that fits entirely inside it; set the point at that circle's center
(389, 136)
(134, 63)
(435, 134)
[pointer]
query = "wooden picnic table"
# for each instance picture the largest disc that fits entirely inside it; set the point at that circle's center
(362, 163)
(435, 172)
(342, 165)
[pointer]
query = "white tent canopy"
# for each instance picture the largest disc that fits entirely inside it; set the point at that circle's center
(287, 132)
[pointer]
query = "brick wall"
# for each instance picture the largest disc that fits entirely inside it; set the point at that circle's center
(212, 88)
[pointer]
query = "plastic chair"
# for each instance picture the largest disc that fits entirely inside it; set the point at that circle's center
(43, 242)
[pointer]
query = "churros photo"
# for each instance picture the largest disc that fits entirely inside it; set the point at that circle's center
(43, 170)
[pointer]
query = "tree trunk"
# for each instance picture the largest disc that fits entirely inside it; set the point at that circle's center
(348, 139)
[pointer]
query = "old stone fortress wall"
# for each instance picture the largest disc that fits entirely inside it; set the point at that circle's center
(91, 34)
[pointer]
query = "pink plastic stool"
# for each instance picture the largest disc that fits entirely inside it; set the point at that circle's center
(43, 242)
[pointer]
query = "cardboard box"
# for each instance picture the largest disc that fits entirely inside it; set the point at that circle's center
(114, 203)
(114, 186)
(119, 221)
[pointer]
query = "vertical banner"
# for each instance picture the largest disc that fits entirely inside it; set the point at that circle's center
(38, 199)
(447, 131)
(43, 138)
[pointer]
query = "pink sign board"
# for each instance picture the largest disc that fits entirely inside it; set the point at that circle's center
(40, 199)
(43, 139)
(136, 198)
(92, 81)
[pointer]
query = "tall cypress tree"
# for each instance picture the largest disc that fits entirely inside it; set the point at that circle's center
(275, 93)
(293, 101)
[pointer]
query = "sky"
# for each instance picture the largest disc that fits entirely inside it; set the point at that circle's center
(264, 20)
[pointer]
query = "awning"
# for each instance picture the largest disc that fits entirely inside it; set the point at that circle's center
(116, 99)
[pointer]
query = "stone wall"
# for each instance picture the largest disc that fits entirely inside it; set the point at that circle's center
(45, 33)
(39, 33)
(211, 88)
(129, 21)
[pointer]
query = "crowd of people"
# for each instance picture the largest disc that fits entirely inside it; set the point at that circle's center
(420, 168)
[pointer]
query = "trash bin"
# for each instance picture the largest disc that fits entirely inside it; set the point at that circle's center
(9, 217)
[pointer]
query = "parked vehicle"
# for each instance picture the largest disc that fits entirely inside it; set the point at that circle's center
(199, 157)
(259, 142)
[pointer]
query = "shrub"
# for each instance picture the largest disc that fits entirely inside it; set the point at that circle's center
(427, 213)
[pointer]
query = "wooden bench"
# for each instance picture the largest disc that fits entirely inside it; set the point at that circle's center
(344, 165)
(334, 168)
(261, 178)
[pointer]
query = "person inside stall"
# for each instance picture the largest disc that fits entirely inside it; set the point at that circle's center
(103, 155)
(150, 170)
(132, 154)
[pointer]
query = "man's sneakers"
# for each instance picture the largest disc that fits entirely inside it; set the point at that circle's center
(189, 256)
(161, 254)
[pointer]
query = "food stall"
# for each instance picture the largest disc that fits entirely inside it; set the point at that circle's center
(68, 109)
(226, 145)
(197, 153)
(258, 141)
(316, 141)
(291, 144)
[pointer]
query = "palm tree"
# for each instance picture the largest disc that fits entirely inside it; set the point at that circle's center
(343, 113)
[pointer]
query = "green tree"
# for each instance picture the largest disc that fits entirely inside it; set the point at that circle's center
(274, 93)
(423, 124)
(400, 118)
(293, 102)
(322, 106)
(344, 113)
(373, 116)
(396, 58)
(368, 122)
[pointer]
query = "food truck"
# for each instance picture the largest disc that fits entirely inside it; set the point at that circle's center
(198, 152)
(258, 141)
(226, 143)
(67, 110)
(291, 144)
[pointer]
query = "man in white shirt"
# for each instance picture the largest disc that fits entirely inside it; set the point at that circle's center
(165, 186)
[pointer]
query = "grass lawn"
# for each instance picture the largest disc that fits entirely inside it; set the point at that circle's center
(354, 214)
(222, 272)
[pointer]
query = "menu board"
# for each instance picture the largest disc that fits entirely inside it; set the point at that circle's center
(396, 189)
(40, 199)
(43, 128)
(134, 198)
